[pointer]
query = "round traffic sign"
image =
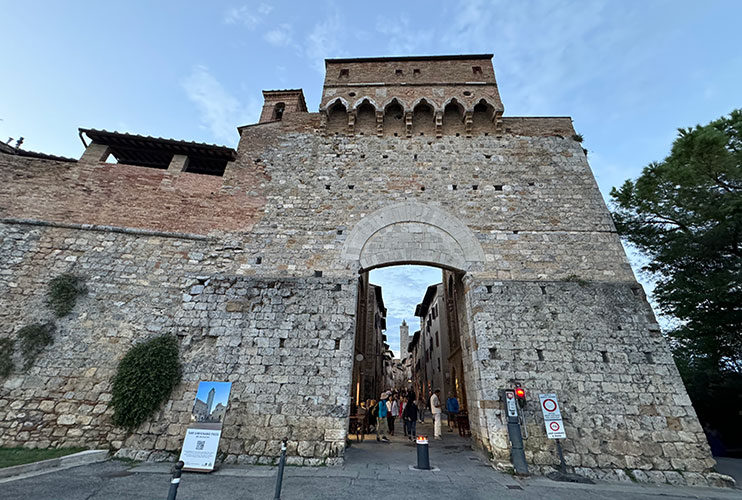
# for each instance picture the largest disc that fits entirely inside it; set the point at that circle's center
(549, 405)
(554, 426)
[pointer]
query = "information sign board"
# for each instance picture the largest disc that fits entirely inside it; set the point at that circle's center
(552, 416)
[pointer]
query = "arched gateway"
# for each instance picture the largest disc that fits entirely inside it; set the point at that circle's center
(250, 258)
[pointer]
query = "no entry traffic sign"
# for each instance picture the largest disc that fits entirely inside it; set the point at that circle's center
(552, 416)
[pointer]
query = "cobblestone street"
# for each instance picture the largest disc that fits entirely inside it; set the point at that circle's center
(372, 468)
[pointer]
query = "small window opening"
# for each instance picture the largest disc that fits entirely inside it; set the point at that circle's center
(648, 356)
(422, 188)
(493, 352)
(453, 187)
(498, 188)
(337, 344)
(317, 274)
(416, 71)
(604, 354)
(543, 290)
(282, 343)
(467, 93)
(278, 110)
(337, 288)
(352, 94)
(475, 187)
(344, 73)
(531, 184)
(436, 341)
(340, 231)
(351, 186)
(363, 156)
(540, 354)
(415, 157)
(398, 72)
(258, 260)
(327, 186)
(489, 288)
(385, 156)
(477, 70)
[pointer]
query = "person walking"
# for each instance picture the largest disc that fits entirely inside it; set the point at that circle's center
(402, 406)
(381, 413)
(421, 409)
(452, 410)
(410, 418)
(392, 413)
(435, 410)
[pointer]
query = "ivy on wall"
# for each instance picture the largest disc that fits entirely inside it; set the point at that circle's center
(6, 357)
(33, 339)
(63, 293)
(144, 380)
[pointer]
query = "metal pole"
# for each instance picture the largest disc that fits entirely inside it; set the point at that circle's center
(560, 454)
(175, 481)
(281, 464)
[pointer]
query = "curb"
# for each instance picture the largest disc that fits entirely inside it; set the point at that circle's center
(81, 458)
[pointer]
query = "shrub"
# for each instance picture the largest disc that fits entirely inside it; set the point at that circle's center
(144, 380)
(6, 357)
(577, 137)
(33, 339)
(63, 293)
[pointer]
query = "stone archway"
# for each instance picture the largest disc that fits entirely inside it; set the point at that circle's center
(417, 233)
(413, 233)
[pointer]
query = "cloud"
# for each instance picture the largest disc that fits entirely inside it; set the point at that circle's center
(282, 36)
(401, 38)
(220, 111)
(247, 15)
(323, 41)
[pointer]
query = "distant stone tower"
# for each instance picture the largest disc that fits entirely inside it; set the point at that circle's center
(404, 339)
(210, 400)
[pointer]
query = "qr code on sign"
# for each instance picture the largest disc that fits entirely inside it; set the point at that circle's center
(200, 445)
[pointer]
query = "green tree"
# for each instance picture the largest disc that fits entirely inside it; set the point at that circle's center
(685, 214)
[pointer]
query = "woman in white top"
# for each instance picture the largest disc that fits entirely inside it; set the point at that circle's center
(393, 411)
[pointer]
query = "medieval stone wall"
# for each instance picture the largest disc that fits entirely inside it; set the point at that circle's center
(256, 273)
(285, 344)
(597, 346)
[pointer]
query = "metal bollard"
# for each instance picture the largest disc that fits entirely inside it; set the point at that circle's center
(175, 481)
(423, 458)
(281, 464)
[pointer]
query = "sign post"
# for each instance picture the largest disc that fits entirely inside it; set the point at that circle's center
(553, 423)
(517, 455)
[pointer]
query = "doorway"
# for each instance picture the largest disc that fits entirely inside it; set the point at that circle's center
(409, 341)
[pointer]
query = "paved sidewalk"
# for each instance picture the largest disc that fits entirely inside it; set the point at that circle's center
(372, 470)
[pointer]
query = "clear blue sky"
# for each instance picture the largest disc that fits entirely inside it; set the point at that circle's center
(629, 72)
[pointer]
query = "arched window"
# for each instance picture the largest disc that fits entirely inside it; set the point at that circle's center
(482, 120)
(394, 123)
(337, 118)
(278, 110)
(423, 119)
(366, 118)
(453, 118)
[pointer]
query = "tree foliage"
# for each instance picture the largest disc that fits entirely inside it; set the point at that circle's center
(146, 376)
(685, 214)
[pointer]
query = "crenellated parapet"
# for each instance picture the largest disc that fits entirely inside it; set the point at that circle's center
(412, 96)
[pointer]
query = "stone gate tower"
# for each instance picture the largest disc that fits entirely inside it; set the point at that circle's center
(252, 259)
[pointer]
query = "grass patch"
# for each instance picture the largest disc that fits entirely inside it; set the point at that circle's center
(19, 456)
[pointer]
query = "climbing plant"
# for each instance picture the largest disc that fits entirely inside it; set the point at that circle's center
(33, 339)
(63, 293)
(144, 380)
(6, 357)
